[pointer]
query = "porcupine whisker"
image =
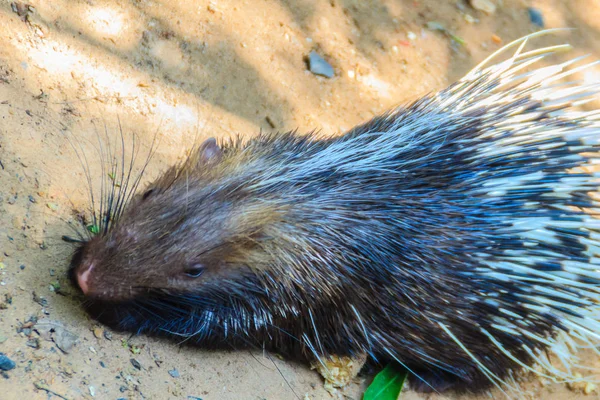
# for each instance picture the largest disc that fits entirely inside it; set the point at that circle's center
(110, 179)
(83, 161)
(104, 159)
(153, 148)
(69, 239)
(114, 207)
(104, 191)
(105, 195)
(123, 196)
(125, 179)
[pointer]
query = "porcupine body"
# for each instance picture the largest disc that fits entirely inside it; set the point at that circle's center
(456, 236)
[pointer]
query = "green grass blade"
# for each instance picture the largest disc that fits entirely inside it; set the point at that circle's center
(387, 384)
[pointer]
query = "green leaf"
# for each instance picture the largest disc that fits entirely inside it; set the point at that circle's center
(387, 384)
(55, 286)
(93, 229)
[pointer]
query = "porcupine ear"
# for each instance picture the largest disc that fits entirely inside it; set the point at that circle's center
(209, 152)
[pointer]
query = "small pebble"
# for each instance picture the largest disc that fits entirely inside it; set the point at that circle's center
(136, 364)
(108, 335)
(102, 364)
(92, 391)
(22, 266)
(19, 8)
(32, 199)
(536, 17)
(33, 343)
(174, 373)
(6, 364)
(64, 339)
(318, 66)
(52, 206)
(411, 35)
(487, 6)
(98, 332)
(41, 300)
(469, 18)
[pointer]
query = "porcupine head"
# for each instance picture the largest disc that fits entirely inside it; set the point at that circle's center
(455, 236)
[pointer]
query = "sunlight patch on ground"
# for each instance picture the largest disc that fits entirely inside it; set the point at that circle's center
(181, 116)
(380, 87)
(64, 63)
(105, 20)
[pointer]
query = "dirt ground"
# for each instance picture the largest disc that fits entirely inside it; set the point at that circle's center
(185, 70)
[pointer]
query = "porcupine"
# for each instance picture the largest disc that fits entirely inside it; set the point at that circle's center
(455, 236)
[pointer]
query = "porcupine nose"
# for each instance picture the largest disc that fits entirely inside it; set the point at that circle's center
(83, 278)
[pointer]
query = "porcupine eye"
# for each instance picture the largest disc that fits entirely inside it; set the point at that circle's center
(147, 194)
(194, 271)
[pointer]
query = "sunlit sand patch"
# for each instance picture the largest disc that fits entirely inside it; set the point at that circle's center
(64, 63)
(105, 21)
(168, 53)
(379, 86)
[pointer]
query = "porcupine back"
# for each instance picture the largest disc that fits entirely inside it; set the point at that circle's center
(456, 236)
(464, 220)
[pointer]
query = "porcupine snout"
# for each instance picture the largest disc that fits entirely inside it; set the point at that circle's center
(83, 277)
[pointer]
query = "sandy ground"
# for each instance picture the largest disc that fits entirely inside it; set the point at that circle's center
(190, 69)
